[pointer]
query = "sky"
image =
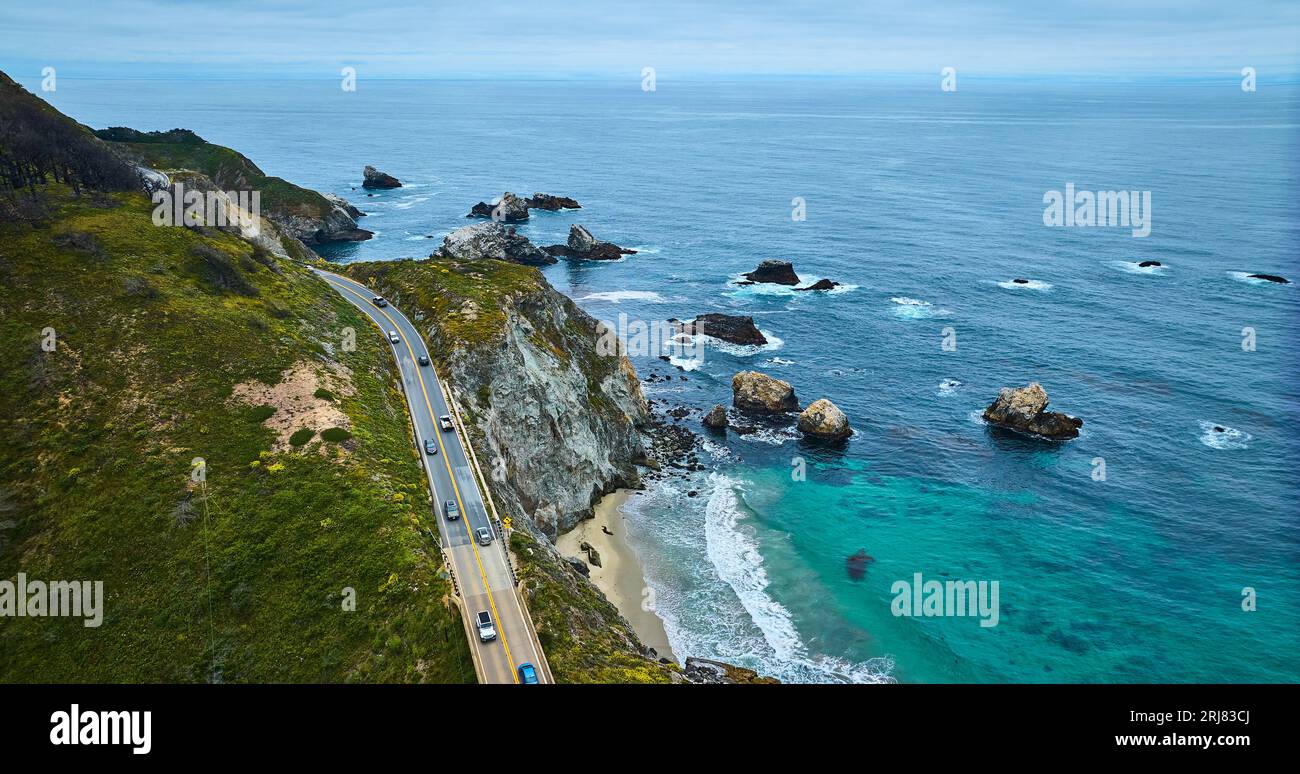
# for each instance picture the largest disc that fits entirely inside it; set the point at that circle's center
(574, 38)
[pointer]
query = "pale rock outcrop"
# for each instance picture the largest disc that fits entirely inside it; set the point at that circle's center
(492, 240)
(1024, 409)
(823, 419)
(762, 394)
(508, 209)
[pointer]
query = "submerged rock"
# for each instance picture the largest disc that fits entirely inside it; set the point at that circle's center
(508, 209)
(733, 328)
(1023, 409)
(376, 179)
(759, 393)
(1271, 278)
(856, 565)
(823, 419)
(541, 201)
(1020, 281)
(582, 244)
(1149, 264)
(776, 272)
(492, 240)
(716, 419)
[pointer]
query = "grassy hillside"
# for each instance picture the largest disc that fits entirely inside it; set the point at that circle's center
(229, 169)
(174, 344)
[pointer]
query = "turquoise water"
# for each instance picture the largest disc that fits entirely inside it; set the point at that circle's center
(916, 194)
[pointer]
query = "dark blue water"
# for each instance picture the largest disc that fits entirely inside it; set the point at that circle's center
(912, 195)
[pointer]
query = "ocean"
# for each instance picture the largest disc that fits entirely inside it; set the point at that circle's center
(925, 204)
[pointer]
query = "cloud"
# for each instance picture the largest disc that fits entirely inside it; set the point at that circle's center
(410, 38)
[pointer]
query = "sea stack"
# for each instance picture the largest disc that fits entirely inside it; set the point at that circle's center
(716, 419)
(823, 419)
(508, 209)
(774, 272)
(582, 244)
(376, 179)
(731, 328)
(1024, 409)
(758, 393)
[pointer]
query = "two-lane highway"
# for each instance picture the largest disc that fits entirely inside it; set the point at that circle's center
(482, 571)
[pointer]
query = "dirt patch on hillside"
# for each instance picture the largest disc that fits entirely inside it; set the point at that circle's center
(297, 400)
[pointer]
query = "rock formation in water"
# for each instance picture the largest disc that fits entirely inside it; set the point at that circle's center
(1024, 409)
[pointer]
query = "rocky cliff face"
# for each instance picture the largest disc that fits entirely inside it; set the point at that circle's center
(557, 422)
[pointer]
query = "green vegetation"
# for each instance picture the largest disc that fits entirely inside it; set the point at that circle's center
(239, 578)
(302, 436)
(182, 149)
(323, 394)
(585, 639)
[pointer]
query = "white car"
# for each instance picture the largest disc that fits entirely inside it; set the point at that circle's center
(444, 422)
(379, 301)
(486, 631)
(393, 337)
(484, 536)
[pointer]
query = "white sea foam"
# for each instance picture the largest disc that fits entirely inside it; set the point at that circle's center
(744, 350)
(948, 387)
(1030, 285)
(780, 361)
(615, 296)
(915, 309)
(735, 555)
(1224, 438)
(789, 291)
(410, 201)
(686, 364)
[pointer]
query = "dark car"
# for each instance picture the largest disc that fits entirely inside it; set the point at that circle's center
(527, 675)
(430, 447)
(379, 301)
(451, 509)
(424, 361)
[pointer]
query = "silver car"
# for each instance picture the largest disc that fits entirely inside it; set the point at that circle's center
(393, 337)
(484, 536)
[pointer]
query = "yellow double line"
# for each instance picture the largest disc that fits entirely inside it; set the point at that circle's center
(473, 543)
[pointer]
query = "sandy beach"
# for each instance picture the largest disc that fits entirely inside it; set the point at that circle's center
(620, 576)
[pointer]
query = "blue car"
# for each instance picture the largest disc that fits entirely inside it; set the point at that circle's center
(527, 675)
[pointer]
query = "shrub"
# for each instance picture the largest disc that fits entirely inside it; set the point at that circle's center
(335, 435)
(323, 394)
(261, 413)
(302, 436)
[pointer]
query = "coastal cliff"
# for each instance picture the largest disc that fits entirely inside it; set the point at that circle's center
(556, 423)
(299, 212)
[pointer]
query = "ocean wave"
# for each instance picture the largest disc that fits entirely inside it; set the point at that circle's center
(744, 350)
(948, 387)
(616, 296)
(772, 436)
(1223, 437)
(735, 555)
(407, 202)
(788, 291)
(647, 249)
(780, 361)
(915, 309)
(1029, 285)
(686, 364)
